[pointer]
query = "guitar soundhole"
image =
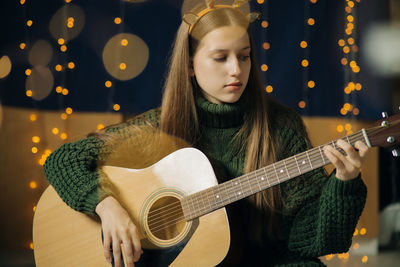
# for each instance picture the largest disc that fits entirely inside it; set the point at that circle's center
(165, 218)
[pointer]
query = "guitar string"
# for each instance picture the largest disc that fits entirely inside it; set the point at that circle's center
(180, 218)
(251, 183)
(312, 154)
(277, 179)
(288, 167)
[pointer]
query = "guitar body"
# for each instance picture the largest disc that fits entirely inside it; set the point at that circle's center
(65, 237)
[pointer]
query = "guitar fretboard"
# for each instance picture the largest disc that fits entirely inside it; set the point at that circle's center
(213, 198)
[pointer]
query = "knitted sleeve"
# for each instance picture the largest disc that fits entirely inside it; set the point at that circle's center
(321, 211)
(72, 168)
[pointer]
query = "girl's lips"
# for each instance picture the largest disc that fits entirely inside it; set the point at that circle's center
(235, 84)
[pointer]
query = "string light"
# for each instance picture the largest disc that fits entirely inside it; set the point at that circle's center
(108, 84)
(122, 66)
(33, 185)
(264, 67)
(100, 126)
(65, 91)
(71, 65)
(29, 93)
(29, 23)
(33, 117)
(28, 72)
(269, 89)
(124, 42)
(364, 259)
(266, 45)
(63, 48)
(117, 20)
(34, 150)
(22, 46)
(264, 24)
(116, 107)
(55, 131)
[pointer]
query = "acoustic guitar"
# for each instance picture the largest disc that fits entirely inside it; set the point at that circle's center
(175, 202)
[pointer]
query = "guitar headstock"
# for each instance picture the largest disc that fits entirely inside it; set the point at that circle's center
(386, 132)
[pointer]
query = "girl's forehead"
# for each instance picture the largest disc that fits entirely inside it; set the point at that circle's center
(226, 38)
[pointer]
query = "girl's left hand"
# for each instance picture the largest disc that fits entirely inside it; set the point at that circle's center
(347, 166)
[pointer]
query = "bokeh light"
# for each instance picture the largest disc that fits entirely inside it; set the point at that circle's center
(125, 62)
(5, 66)
(41, 53)
(40, 82)
(59, 23)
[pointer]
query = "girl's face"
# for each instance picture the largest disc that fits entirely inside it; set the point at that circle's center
(221, 64)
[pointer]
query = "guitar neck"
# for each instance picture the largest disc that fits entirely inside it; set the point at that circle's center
(213, 198)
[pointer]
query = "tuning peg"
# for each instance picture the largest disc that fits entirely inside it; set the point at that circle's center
(396, 152)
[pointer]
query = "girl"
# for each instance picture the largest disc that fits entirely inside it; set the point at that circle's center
(213, 100)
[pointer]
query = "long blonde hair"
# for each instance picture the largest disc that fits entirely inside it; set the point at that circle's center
(178, 110)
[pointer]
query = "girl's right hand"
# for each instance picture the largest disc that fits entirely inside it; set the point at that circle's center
(118, 229)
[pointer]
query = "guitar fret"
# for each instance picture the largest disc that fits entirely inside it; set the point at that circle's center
(286, 169)
(276, 174)
(295, 159)
(309, 160)
(250, 186)
(322, 155)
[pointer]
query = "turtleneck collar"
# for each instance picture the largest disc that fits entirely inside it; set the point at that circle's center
(223, 115)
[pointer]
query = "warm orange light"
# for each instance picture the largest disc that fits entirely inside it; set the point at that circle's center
(22, 46)
(302, 104)
(63, 48)
(29, 93)
(311, 21)
(303, 44)
(350, 25)
(269, 89)
(358, 86)
(347, 90)
(28, 72)
(340, 128)
(55, 131)
(108, 84)
(33, 117)
(350, 18)
(34, 208)
(348, 9)
(364, 259)
(351, 86)
(343, 61)
(363, 231)
(67, 1)
(260, 2)
(100, 126)
(266, 45)
(22, 2)
(31, 245)
(355, 232)
(70, 25)
(29, 23)
(264, 67)
(59, 89)
(63, 136)
(61, 41)
(346, 106)
(311, 84)
(343, 111)
(356, 246)
(71, 65)
(350, 4)
(68, 111)
(313, 1)
(58, 67)
(65, 91)
(350, 41)
(117, 107)
(348, 31)
(304, 62)
(124, 42)
(353, 64)
(64, 116)
(346, 49)
(117, 20)
(354, 48)
(264, 24)
(347, 126)
(33, 185)
(34, 150)
(122, 66)
(341, 42)
(356, 111)
(356, 69)
(36, 139)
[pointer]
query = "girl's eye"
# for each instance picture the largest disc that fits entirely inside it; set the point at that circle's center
(220, 59)
(244, 58)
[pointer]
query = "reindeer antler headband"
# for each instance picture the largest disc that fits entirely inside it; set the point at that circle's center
(192, 18)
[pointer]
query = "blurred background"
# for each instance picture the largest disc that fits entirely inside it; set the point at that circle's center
(71, 67)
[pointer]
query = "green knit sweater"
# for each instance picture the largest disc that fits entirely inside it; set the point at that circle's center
(319, 215)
